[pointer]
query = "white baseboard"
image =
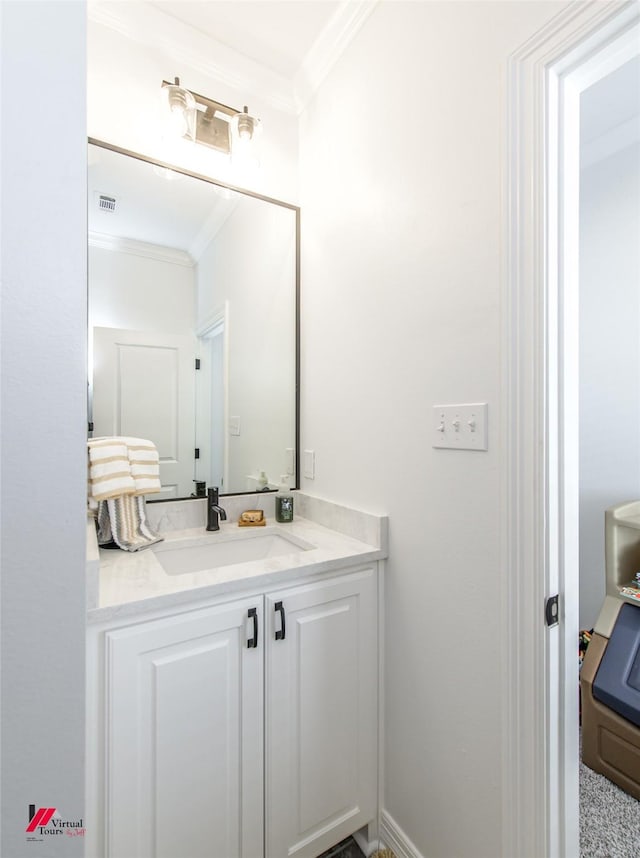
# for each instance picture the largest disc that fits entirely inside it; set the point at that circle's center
(394, 837)
(365, 846)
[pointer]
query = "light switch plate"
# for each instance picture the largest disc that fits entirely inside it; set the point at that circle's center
(309, 465)
(460, 427)
(290, 459)
(234, 426)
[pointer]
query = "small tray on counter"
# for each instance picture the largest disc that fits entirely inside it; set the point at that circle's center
(252, 518)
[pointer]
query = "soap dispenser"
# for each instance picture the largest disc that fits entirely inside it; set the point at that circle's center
(284, 501)
(262, 482)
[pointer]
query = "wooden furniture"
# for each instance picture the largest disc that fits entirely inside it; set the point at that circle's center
(610, 743)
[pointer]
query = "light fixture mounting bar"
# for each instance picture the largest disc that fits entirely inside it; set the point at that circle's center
(212, 127)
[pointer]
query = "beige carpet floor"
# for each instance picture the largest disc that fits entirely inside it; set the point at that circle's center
(609, 818)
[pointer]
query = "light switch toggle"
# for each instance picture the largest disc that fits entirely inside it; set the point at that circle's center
(460, 427)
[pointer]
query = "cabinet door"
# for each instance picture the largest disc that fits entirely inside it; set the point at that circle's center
(321, 714)
(184, 739)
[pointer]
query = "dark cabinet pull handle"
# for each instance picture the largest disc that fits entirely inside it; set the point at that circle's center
(280, 635)
(253, 615)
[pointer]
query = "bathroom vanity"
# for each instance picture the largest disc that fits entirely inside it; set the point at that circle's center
(235, 708)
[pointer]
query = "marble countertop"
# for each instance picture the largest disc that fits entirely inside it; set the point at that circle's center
(134, 583)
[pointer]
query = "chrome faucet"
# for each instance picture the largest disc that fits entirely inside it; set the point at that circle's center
(214, 510)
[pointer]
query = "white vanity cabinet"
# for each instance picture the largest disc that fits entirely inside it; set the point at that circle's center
(209, 746)
(184, 755)
(321, 713)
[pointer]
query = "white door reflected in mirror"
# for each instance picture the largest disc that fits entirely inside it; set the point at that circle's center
(143, 386)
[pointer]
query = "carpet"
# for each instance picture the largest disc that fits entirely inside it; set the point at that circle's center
(609, 818)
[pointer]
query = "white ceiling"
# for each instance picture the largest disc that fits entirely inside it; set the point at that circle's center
(279, 50)
(610, 113)
(278, 34)
(611, 101)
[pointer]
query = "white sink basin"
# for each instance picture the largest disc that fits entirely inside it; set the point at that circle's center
(211, 551)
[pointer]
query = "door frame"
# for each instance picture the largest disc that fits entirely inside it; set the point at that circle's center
(217, 324)
(540, 420)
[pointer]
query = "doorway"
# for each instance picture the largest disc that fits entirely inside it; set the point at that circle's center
(212, 421)
(609, 322)
(580, 46)
(609, 57)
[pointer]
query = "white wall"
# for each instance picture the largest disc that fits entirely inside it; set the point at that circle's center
(124, 105)
(140, 293)
(257, 282)
(43, 492)
(402, 162)
(609, 357)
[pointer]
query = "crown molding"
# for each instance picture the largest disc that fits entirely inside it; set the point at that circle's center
(140, 248)
(188, 46)
(329, 47)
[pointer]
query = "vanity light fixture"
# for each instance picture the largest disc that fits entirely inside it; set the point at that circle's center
(203, 120)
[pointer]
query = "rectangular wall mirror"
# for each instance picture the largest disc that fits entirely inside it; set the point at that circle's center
(194, 292)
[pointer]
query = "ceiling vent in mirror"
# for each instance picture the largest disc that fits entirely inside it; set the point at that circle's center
(106, 204)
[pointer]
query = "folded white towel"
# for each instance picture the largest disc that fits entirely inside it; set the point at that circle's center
(121, 466)
(121, 470)
(145, 465)
(109, 469)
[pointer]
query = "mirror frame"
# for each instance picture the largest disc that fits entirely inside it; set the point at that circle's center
(296, 209)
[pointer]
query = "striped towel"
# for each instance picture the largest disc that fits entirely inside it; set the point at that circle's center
(121, 471)
(122, 466)
(123, 520)
(145, 465)
(109, 469)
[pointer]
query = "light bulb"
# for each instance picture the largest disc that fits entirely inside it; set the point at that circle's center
(245, 130)
(178, 121)
(181, 111)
